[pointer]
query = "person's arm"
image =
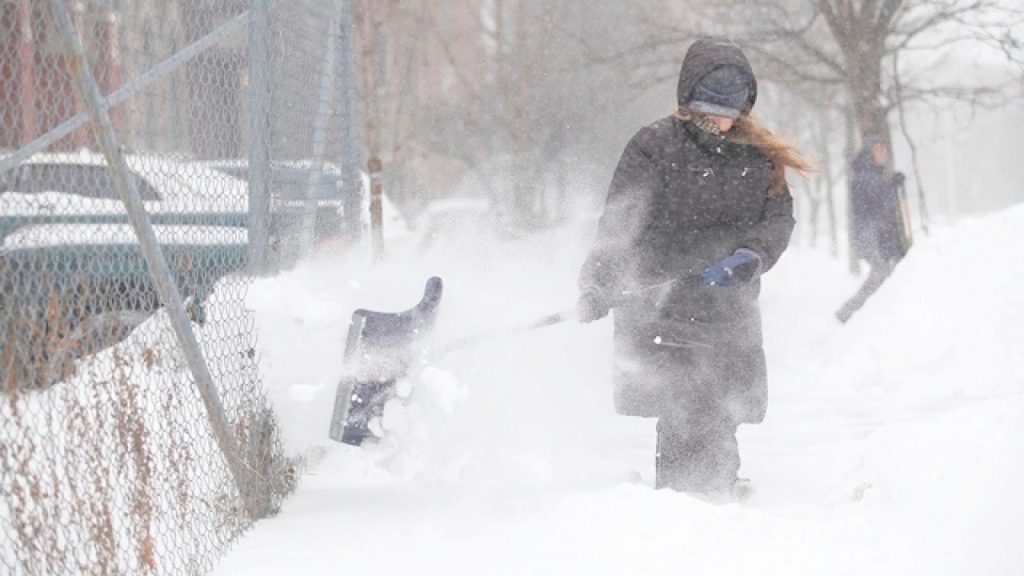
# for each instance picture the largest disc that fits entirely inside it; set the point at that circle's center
(770, 236)
(625, 215)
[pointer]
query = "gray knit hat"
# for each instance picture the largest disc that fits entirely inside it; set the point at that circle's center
(725, 91)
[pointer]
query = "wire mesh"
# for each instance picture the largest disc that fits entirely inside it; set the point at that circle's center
(108, 464)
(307, 131)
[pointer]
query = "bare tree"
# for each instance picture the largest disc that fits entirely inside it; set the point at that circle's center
(499, 90)
(875, 50)
(854, 43)
(886, 54)
(866, 60)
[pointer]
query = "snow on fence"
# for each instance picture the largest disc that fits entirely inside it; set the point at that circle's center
(153, 156)
(115, 469)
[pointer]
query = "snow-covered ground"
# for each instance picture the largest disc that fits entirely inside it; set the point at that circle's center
(893, 445)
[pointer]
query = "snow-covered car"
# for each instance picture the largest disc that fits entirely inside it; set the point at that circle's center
(303, 194)
(69, 258)
(102, 270)
(296, 184)
(63, 299)
(78, 188)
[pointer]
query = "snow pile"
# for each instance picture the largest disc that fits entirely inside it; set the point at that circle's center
(122, 454)
(949, 320)
(893, 445)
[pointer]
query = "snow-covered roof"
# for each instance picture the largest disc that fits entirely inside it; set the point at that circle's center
(53, 235)
(182, 186)
(49, 203)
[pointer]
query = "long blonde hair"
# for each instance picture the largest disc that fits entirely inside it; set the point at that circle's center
(747, 130)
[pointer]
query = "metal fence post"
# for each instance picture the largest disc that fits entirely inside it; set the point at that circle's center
(89, 91)
(259, 128)
(328, 77)
(350, 163)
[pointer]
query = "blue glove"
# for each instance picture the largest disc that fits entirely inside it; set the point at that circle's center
(742, 267)
(591, 306)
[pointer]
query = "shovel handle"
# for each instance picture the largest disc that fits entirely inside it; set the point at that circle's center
(549, 320)
(556, 317)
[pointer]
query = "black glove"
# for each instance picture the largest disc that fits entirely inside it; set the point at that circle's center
(591, 306)
(898, 178)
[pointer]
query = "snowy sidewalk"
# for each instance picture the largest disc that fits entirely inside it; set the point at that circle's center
(877, 456)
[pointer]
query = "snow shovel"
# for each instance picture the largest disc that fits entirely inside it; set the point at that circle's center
(381, 346)
(379, 349)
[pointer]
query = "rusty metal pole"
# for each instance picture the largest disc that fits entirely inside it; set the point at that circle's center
(163, 280)
(351, 177)
(26, 80)
(259, 136)
(374, 168)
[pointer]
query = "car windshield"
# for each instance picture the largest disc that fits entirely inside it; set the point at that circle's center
(86, 180)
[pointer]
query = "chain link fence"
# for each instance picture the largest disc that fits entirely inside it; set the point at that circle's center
(134, 433)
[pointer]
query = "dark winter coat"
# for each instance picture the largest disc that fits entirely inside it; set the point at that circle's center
(680, 200)
(877, 217)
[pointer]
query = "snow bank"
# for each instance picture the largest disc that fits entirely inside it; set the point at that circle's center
(117, 466)
(948, 322)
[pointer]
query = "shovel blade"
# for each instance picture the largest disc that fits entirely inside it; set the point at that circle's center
(379, 351)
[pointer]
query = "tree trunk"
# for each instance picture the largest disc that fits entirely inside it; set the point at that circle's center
(523, 207)
(851, 150)
(865, 86)
(830, 184)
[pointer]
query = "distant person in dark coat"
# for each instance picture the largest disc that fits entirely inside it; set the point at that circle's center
(697, 211)
(876, 220)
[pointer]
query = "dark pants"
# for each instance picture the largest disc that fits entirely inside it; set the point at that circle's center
(880, 271)
(697, 450)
